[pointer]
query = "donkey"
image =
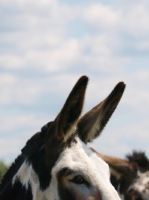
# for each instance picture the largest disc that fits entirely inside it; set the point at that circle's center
(56, 163)
(129, 176)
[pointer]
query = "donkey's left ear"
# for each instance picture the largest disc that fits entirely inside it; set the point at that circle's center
(94, 121)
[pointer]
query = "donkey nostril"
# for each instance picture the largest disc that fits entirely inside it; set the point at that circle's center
(144, 191)
(130, 191)
(133, 192)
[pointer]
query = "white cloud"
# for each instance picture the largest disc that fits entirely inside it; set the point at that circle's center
(143, 45)
(134, 19)
(15, 90)
(58, 59)
(101, 16)
(11, 61)
(7, 78)
(129, 17)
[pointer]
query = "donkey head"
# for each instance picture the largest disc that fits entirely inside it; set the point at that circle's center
(62, 167)
(139, 187)
(131, 176)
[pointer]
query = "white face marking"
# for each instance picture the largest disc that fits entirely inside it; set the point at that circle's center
(141, 185)
(82, 161)
(27, 175)
(87, 164)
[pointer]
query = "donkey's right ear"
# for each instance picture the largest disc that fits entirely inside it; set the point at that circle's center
(93, 122)
(65, 123)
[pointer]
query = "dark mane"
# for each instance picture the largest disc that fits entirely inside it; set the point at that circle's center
(34, 142)
(140, 159)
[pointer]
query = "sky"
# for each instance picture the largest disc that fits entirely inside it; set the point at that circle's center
(46, 45)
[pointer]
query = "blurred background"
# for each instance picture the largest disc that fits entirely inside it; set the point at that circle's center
(46, 45)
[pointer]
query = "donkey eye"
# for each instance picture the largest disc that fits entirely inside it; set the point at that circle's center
(78, 180)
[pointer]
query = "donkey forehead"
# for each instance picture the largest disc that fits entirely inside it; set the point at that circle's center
(80, 158)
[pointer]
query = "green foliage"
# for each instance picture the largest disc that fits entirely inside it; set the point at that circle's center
(3, 168)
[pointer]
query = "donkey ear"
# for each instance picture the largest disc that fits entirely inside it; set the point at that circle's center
(118, 167)
(62, 127)
(93, 122)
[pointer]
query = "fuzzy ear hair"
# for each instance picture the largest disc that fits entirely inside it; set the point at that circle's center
(62, 127)
(94, 121)
(118, 167)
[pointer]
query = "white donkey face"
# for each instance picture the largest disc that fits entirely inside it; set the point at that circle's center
(77, 175)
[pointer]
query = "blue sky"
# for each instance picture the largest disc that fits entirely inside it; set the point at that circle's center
(46, 45)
